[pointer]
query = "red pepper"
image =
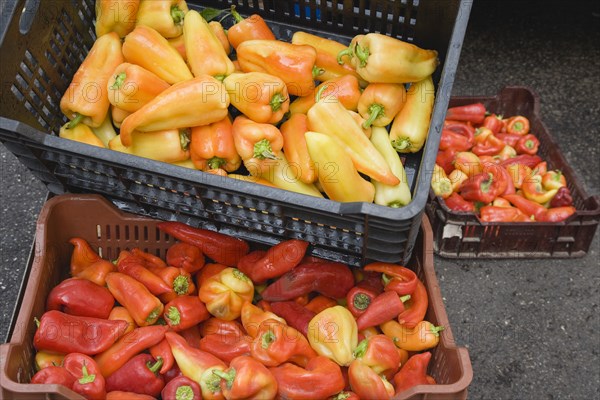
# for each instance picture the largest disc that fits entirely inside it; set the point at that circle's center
(528, 207)
(510, 139)
(457, 203)
(276, 343)
(518, 125)
(562, 198)
(558, 214)
(221, 248)
(278, 260)
(502, 214)
(138, 375)
(379, 353)
(396, 277)
(383, 308)
(471, 112)
(192, 336)
(526, 159)
(328, 278)
(359, 299)
(77, 296)
(184, 312)
(294, 314)
(173, 373)
(150, 260)
(486, 143)
(97, 272)
(178, 279)
(226, 347)
(143, 306)
(65, 333)
(246, 378)
(367, 384)
(527, 144)
(540, 169)
(453, 140)
(53, 375)
(89, 382)
(83, 255)
(494, 123)
(181, 388)
(253, 27)
(186, 256)
(133, 266)
(415, 307)
(463, 128)
(445, 159)
(369, 279)
(484, 187)
(209, 270)
(320, 303)
(413, 373)
(129, 346)
(163, 351)
(320, 379)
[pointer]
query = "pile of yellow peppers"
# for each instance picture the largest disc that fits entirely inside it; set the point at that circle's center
(311, 114)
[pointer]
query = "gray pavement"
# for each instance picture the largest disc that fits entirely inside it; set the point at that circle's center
(531, 326)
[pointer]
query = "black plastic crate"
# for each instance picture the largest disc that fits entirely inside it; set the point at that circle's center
(42, 47)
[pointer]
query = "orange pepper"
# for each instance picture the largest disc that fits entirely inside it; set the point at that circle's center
(257, 144)
(379, 103)
(83, 255)
(116, 16)
(423, 336)
(213, 146)
(121, 313)
(252, 317)
(165, 16)
(294, 64)
(225, 293)
(345, 88)
(253, 27)
(178, 44)
(320, 303)
(217, 30)
(294, 147)
(261, 97)
(97, 272)
(130, 87)
(86, 98)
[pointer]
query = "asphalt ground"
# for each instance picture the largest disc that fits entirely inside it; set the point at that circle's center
(531, 326)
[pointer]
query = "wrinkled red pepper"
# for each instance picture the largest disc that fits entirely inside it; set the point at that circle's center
(53, 375)
(481, 187)
(186, 256)
(510, 139)
(445, 159)
(320, 379)
(132, 265)
(138, 375)
(453, 140)
(528, 160)
(294, 314)
(396, 278)
(457, 203)
(81, 297)
(486, 143)
(562, 198)
(493, 122)
(278, 260)
(413, 373)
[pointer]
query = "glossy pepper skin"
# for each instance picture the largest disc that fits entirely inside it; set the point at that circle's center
(181, 388)
(80, 133)
(327, 52)
(337, 173)
(383, 59)
(379, 353)
(86, 99)
(534, 190)
(221, 248)
(528, 160)
(217, 29)
(149, 49)
(276, 343)
(205, 53)
(294, 314)
(53, 375)
(121, 314)
(134, 267)
(261, 97)
(453, 140)
(409, 129)
(184, 312)
(116, 16)
(278, 175)
(367, 384)
(379, 103)
(258, 144)
(359, 299)
(197, 365)
(415, 307)
(518, 125)
(226, 346)
(246, 378)
(493, 122)
(225, 293)
(97, 272)
(394, 196)
(474, 113)
(64, 333)
(212, 146)
(482, 187)
(530, 208)
(45, 359)
(163, 351)
(186, 256)
(527, 144)
(169, 145)
(329, 117)
(344, 88)
(396, 278)
(129, 346)
(383, 308)
(252, 318)
(164, 16)
(138, 375)
(320, 303)
(89, 382)
(144, 307)
(333, 333)
(423, 336)
(457, 203)
(130, 87)
(486, 143)
(413, 373)
(199, 101)
(327, 278)
(77, 296)
(320, 379)
(440, 183)
(294, 64)
(495, 213)
(296, 149)
(278, 260)
(253, 27)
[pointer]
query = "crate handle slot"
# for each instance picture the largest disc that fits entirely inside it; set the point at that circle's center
(28, 15)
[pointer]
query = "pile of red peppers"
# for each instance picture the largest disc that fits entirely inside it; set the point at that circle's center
(215, 319)
(488, 165)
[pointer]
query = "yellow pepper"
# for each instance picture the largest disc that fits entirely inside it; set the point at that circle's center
(336, 172)
(106, 131)
(423, 336)
(171, 145)
(80, 133)
(440, 183)
(131, 87)
(225, 293)
(379, 103)
(332, 333)
(283, 175)
(116, 16)
(410, 127)
(164, 16)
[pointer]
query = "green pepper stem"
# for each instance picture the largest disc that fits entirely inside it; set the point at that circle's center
(362, 54)
(236, 15)
(215, 163)
(266, 339)
(320, 93)
(240, 275)
(347, 52)
(181, 285)
(75, 121)
(361, 301)
(262, 150)
(386, 279)
(119, 79)
(228, 376)
(177, 14)
(361, 349)
(316, 71)
(153, 315)
(401, 144)
(173, 315)
(154, 368)
(405, 298)
(184, 392)
(395, 204)
(276, 101)
(221, 77)
(184, 139)
(37, 322)
(485, 185)
(436, 330)
(86, 378)
(375, 111)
